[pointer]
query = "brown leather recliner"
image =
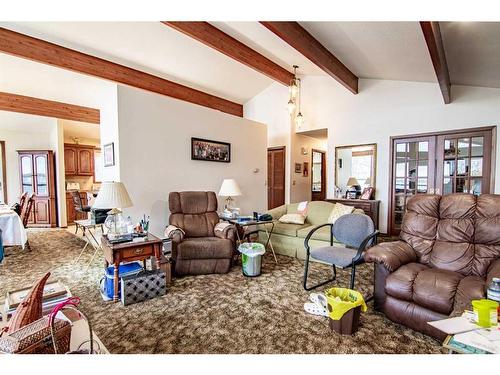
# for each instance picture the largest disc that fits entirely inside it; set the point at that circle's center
(448, 252)
(199, 248)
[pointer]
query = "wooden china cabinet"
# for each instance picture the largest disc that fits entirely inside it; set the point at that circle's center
(439, 163)
(37, 171)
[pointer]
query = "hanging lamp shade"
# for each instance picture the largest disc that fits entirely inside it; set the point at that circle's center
(291, 106)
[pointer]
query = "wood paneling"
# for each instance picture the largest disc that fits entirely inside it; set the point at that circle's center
(52, 54)
(275, 177)
(226, 44)
(49, 108)
(300, 39)
(432, 35)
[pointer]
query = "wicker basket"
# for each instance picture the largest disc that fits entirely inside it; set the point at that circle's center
(36, 338)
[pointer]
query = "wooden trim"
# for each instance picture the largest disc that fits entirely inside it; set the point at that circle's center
(323, 170)
(446, 132)
(49, 108)
(229, 46)
(277, 148)
(300, 39)
(38, 50)
(4, 171)
(432, 35)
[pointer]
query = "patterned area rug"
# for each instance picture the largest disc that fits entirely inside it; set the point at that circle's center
(213, 313)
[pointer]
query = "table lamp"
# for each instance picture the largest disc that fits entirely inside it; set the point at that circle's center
(113, 195)
(229, 189)
(352, 187)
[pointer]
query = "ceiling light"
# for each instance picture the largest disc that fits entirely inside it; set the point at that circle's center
(291, 106)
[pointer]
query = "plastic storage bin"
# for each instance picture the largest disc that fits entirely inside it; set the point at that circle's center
(344, 306)
(107, 283)
(486, 312)
(251, 258)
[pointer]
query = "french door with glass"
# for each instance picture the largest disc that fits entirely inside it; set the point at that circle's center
(439, 163)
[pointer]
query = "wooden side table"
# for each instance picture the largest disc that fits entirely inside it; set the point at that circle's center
(129, 252)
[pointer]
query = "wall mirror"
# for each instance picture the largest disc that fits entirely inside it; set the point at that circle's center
(355, 171)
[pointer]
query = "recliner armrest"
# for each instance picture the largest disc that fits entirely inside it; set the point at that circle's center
(175, 233)
(226, 231)
(391, 254)
(493, 271)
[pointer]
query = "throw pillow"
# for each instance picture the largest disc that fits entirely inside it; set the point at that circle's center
(292, 219)
(339, 210)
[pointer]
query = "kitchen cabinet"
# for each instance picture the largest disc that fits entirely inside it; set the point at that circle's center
(37, 170)
(78, 160)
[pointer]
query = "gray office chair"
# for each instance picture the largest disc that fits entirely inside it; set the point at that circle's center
(356, 232)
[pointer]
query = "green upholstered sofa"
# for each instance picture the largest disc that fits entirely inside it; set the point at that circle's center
(288, 239)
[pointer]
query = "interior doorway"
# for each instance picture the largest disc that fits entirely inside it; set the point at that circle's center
(318, 175)
(275, 177)
(3, 173)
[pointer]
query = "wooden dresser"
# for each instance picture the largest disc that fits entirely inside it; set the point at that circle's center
(371, 206)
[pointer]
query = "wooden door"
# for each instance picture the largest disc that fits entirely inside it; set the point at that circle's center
(318, 175)
(42, 211)
(275, 177)
(70, 160)
(464, 163)
(412, 172)
(85, 162)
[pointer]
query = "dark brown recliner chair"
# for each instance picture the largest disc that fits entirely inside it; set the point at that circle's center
(448, 252)
(198, 247)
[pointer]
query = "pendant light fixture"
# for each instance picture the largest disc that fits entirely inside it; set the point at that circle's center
(295, 96)
(294, 85)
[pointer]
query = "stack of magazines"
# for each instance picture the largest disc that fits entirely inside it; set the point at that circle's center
(53, 293)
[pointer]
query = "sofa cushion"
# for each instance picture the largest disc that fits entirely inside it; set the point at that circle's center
(292, 219)
(435, 289)
(205, 248)
(399, 284)
(322, 234)
(318, 212)
(339, 210)
(287, 229)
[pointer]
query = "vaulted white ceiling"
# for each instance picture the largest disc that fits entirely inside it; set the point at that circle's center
(379, 50)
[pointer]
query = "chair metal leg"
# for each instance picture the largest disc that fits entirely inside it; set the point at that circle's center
(353, 276)
(306, 270)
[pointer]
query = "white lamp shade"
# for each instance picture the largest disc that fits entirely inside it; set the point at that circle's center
(229, 188)
(112, 195)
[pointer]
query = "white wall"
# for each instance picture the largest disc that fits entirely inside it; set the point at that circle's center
(269, 107)
(155, 142)
(23, 132)
(380, 110)
(388, 108)
(301, 187)
(24, 77)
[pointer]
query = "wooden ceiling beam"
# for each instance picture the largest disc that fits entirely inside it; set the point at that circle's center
(432, 35)
(41, 107)
(211, 36)
(300, 39)
(38, 50)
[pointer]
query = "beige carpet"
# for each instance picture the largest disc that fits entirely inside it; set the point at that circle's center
(210, 314)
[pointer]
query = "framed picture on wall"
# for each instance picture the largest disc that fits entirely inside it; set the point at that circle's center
(305, 169)
(298, 168)
(207, 150)
(109, 154)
